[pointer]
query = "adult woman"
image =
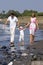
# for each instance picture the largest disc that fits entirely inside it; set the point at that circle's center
(33, 26)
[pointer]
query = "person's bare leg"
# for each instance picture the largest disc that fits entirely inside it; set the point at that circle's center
(31, 39)
(23, 43)
(31, 50)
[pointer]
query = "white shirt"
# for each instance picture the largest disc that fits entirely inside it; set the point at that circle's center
(12, 21)
(21, 32)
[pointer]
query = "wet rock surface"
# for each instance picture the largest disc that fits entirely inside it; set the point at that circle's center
(21, 57)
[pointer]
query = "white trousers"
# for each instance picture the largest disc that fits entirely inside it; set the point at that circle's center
(12, 33)
(21, 38)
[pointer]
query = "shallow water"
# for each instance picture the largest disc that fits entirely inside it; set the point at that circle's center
(5, 40)
(5, 35)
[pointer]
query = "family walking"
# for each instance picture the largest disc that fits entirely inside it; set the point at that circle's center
(33, 26)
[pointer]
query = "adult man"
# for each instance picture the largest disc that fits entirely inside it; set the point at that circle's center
(13, 20)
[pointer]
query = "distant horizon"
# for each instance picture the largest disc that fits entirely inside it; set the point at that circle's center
(19, 11)
(21, 5)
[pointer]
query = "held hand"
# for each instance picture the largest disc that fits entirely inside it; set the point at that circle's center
(24, 28)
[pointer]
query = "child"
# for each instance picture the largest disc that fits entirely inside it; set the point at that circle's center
(21, 37)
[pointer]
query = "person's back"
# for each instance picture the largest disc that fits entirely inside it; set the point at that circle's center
(33, 20)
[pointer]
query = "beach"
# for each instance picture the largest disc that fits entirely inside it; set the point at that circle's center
(18, 58)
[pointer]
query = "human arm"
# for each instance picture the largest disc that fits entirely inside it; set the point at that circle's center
(27, 25)
(6, 23)
(18, 24)
(8, 20)
(37, 26)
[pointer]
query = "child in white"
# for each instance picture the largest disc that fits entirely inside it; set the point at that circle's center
(21, 37)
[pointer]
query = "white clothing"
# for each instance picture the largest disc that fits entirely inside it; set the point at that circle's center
(12, 33)
(21, 37)
(12, 21)
(12, 27)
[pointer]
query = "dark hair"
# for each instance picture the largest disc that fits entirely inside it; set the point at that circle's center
(11, 13)
(33, 15)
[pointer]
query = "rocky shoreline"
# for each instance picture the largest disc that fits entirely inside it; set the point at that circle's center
(22, 57)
